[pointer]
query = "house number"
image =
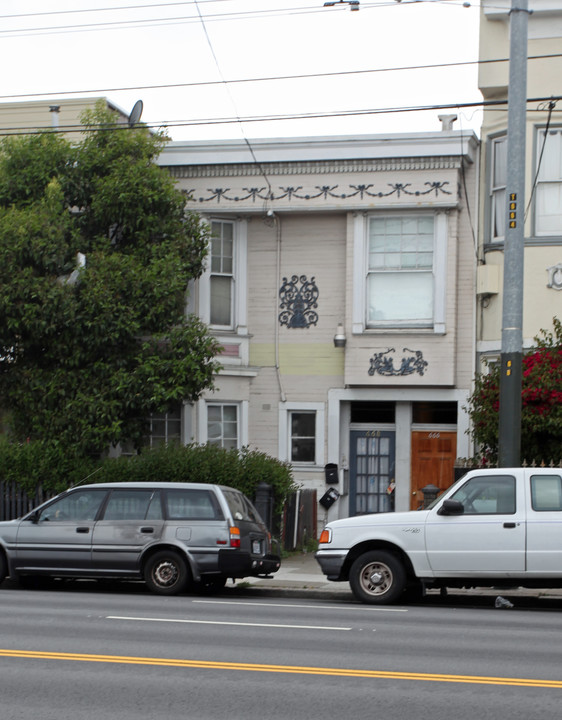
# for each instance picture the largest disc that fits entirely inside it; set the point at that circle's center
(434, 436)
(373, 433)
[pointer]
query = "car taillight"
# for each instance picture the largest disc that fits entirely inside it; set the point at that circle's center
(325, 536)
(234, 537)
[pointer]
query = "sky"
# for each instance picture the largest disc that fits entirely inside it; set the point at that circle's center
(205, 68)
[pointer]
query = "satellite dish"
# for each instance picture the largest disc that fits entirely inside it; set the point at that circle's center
(136, 113)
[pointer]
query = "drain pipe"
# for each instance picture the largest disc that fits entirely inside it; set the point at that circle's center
(277, 221)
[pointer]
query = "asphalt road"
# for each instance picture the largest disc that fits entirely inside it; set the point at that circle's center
(88, 651)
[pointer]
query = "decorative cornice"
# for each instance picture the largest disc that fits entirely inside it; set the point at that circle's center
(330, 167)
(436, 188)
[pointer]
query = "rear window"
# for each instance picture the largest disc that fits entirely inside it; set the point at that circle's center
(192, 505)
(241, 508)
(546, 493)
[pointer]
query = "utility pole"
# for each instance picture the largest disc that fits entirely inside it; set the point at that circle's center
(509, 445)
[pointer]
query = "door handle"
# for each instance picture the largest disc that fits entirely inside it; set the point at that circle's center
(82, 529)
(147, 530)
(509, 525)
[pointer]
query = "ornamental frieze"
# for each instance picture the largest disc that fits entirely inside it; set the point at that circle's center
(383, 364)
(325, 192)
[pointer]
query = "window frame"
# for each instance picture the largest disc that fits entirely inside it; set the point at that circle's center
(496, 207)
(166, 418)
(285, 436)
(361, 273)
(541, 181)
(239, 300)
(242, 419)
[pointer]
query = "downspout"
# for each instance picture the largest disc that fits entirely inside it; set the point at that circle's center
(282, 395)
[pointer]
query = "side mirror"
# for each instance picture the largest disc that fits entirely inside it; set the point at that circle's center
(451, 507)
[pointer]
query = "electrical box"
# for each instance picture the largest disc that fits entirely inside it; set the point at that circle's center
(487, 280)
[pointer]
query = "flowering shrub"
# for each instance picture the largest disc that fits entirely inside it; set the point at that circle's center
(541, 403)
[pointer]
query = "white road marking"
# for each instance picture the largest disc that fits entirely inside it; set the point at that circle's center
(218, 622)
(295, 605)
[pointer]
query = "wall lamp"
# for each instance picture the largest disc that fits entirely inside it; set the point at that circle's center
(339, 337)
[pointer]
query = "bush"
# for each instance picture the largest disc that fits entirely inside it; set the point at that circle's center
(39, 463)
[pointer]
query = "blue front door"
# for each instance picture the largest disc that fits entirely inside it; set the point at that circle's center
(371, 471)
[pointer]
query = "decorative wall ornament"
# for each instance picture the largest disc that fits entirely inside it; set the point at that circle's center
(323, 191)
(383, 365)
(555, 277)
(298, 303)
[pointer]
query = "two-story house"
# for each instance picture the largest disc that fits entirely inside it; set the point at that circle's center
(341, 284)
(542, 206)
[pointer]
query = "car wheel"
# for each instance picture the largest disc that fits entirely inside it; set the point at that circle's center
(166, 573)
(210, 585)
(3, 568)
(377, 578)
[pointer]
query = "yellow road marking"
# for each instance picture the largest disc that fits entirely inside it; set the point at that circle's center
(291, 669)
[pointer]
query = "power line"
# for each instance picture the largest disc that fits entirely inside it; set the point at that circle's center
(278, 118)
(278, 78)
(158, 22)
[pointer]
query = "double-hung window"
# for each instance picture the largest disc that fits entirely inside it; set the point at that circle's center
(400, 271)
(165, 428)
(223, 425)
(222, 274)
(498, 184)
(548, 203)
(303, 436)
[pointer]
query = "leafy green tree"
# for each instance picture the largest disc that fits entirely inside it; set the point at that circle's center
(541, 398)
(96, 253)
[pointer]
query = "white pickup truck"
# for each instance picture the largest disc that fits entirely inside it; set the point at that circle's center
(500, 527)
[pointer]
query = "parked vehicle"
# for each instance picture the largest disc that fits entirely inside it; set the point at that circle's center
(172, 535)
(499, 527)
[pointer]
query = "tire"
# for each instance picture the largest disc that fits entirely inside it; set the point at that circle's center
(166, 573)
(377, 578)
(3, 568)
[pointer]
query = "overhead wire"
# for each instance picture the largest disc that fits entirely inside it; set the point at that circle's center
(273, 78)
(195, 122)
(248, 144)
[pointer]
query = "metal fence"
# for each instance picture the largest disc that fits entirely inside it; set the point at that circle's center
(14, 502)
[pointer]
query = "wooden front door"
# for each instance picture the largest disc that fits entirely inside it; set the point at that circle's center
(433, 462)
(371, 471)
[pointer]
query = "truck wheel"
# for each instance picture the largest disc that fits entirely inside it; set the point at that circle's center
(166, 573)
(377, 578)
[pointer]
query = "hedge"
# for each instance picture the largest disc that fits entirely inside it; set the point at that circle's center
(34, 464)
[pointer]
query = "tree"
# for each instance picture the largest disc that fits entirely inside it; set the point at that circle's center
(96, 252)
(541, 397)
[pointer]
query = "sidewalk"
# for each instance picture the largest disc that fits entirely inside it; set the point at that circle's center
(300, 576)
(299, 572)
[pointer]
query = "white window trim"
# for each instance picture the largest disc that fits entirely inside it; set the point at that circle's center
(360, 249)
(542, 182)
(240, 280)
(285, 410)
(492, 195)
(202, 418)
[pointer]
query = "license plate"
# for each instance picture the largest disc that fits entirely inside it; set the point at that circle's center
(256, 547)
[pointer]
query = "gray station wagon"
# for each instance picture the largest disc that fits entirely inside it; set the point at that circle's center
(175, 536)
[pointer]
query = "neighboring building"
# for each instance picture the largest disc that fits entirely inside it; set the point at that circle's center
(20, 118)
(542, 205)
(341, 284)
